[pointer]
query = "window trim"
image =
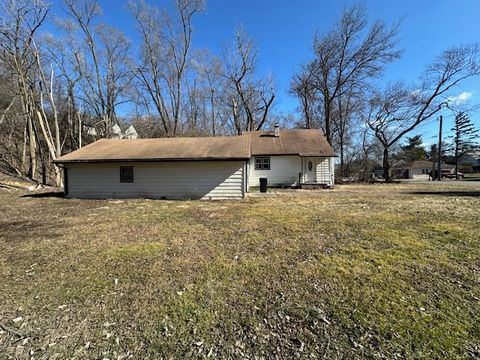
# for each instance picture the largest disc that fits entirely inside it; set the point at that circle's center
(262, 163)
(122, 178)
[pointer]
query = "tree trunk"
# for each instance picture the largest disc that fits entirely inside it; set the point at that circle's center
(79, 130)
(236, 117)
(432, 173)
(342, 169)
(386, 166)
(23, 162)
(456, 160)
(32, 147)
(327, 123)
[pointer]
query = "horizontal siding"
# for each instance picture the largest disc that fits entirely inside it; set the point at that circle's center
(170, 180)
(323, 171)
(284, 170)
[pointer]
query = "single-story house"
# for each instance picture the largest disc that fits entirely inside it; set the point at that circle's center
(202, 168)
(419, 169)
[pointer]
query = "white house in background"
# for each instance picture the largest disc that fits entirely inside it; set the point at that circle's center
(117, 131)
(419, 170)
(90, 130)
(198, 168)
(130, 133)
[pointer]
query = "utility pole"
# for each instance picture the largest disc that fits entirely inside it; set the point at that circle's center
(434, 159)
(440, 149)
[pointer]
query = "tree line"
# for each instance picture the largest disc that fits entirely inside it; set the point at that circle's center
(89, 72)
(59, 74)
(340, 90)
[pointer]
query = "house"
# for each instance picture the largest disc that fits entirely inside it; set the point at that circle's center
(130, 133)
(90, 130)
(207, 168)
(116, 131)
(418, 170)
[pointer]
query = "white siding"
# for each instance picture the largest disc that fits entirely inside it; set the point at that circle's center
(323, 171)
(426, 171)
(170, 180)
(284, 170)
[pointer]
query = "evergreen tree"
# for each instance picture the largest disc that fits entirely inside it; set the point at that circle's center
(464, 139)
(413, 150)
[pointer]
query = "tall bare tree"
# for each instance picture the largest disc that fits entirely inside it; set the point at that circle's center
(400, 109)
(345, 119)
(65, 57)
(46, 89)
(101, 55)
(302, 87)
(18, 27)
(351, 53)
(211, 93)
(164, 57)
(252, 96)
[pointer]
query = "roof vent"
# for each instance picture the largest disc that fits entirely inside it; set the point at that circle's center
(276, 131)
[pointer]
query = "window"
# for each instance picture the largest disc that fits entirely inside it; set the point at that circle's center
(126, 174)
(423, 171)
(262, 163)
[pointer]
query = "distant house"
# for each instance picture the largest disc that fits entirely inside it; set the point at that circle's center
(89, 130)
(116, 131)
(130, 133)
(419, 169)
(208, 168)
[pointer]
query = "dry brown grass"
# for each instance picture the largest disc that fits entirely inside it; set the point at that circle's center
(374, 270)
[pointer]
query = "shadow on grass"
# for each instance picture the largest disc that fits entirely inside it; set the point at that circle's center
(51, 194)
(448, 193)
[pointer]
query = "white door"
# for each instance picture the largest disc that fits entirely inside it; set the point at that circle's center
(310, 170)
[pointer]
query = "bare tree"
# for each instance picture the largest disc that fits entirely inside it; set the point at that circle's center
(101, 55)
(64, 55)
(18, 28)
(12, 125)
(164, 57)
(345, 120)
(351, 53)
(46, 89)
(252, 97)
(302, 87)
(400, 109)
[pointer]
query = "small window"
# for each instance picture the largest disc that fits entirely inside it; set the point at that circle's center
(126, 174)
(262, 163)
(423, 171)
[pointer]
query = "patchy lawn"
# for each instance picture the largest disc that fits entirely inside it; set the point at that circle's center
(361, 271)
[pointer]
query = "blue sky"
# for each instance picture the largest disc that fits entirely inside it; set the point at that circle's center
(283, 31)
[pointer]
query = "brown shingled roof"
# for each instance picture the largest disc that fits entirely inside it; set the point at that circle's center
(205, 148)
(303, 142)
(291, 142)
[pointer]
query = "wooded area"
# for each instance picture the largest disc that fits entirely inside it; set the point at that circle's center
(60, 77)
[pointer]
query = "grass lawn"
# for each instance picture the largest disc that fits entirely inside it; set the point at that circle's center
(360, 271)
